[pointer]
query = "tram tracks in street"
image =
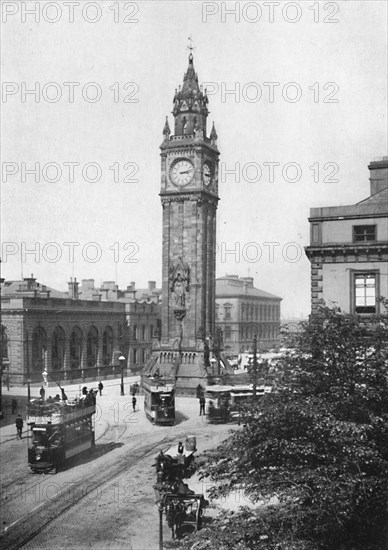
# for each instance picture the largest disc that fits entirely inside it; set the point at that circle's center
(29, 526)
(20, 481)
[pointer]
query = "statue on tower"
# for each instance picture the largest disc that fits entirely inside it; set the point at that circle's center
(179, 283)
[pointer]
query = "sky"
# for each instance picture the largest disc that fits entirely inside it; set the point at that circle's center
(297, 92)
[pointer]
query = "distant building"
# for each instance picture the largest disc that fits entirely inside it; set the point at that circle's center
(243, 311)
(349, 249)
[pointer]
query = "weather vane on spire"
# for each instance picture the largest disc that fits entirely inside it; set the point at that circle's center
(190, 46)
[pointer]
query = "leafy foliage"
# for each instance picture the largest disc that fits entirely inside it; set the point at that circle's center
(319, 445)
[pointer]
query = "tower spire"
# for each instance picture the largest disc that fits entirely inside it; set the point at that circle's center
(190, 103)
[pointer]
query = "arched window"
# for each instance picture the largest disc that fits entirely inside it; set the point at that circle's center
(76, 348)
(39, 348)
(92, 347)
(107, 346)
(4, 343)
(58, 342)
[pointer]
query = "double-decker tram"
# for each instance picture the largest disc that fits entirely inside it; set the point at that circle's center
(224, 402)
(159, 401)
(60, 429)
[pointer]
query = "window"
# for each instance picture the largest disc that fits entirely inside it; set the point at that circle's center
(143, 332)
(135, 356)
(365, 292)
(315, 236)
(92, 347)
(228, 333)
(364, 233)
(134, 332)
(107, 346)
(227, 311)
(4, 343)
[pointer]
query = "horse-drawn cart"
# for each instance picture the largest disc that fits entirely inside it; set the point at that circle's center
(182, 506)
(184, 509)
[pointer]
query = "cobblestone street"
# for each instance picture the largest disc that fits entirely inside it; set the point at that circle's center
(103, 500)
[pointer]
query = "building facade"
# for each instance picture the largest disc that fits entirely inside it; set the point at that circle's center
(349, 250)
(243, 311)
(75, 335)
(69, 338)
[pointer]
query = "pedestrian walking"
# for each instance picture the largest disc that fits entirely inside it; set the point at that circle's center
(19, 426)
(42, 393)
(202, 402)
(100, 387)
(134, 403)
(14, 405)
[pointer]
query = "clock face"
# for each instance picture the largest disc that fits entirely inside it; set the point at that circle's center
(207, 173)
(182, 172)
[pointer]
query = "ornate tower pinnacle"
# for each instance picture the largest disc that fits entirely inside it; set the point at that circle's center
(190, 104)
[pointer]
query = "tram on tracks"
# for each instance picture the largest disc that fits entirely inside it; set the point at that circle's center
(224, 402)
(60, 429)
(159, 401)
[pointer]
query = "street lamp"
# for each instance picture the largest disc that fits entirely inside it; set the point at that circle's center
(255, 365)
(160, 495)
(28, 389)
(121, 361)
(213, 361)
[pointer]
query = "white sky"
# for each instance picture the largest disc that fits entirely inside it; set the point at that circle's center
(152, 54)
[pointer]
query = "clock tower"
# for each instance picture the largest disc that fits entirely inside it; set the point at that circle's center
(189, 196)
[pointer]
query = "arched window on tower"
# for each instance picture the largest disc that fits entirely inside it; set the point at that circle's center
(184, 125)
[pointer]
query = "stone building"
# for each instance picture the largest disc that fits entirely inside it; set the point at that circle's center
(78, 334)
(349, 249)
(243, 311)
(47, 330)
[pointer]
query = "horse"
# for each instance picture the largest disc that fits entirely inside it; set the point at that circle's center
(175, 514)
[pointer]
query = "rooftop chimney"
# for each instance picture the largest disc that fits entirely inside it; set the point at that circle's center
(248, 281)
(151, 285)
(133, 284)
(378, 175)
(30, 282)
(73, 288)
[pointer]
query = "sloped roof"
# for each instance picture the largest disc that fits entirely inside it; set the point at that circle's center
(12, 288)
(234, 291)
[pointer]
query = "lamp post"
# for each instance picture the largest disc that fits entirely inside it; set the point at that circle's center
(28, 389)
(255, 365)
(121, 361)
(159, 495)
(213, 361)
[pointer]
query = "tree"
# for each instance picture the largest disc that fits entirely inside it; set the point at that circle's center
(319, 444)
